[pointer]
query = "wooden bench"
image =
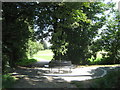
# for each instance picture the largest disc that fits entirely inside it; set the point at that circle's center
(60, 65)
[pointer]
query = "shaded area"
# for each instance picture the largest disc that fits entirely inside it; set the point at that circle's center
(79, 74)
(35, 78)
(29, 78)
(40, 63)
(41, 77)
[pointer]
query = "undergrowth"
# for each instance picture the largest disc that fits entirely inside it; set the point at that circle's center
(111, 80)
(7, 81)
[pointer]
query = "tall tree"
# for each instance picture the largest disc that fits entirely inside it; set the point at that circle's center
(111, 39)
(74, 29)
(75, 25)
(16, 23)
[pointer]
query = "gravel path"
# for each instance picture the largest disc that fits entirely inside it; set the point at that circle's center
(39, 78)
(29, 78)
(36, 77)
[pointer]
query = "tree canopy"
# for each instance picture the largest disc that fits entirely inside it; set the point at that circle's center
(70, 26)
(75, 25)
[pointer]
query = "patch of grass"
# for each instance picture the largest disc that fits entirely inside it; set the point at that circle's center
(26, 62)
(7, 81)
(111, 80)
(44, 54)
(45, 57)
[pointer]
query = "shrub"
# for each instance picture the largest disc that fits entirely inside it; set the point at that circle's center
(26, 62)
(7, 81)
(111, 80)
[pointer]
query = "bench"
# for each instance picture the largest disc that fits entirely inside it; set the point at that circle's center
(60, 65)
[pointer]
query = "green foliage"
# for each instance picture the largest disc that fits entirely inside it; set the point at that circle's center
(101, 58)
(34, 47)
(26, 62)
(111, 80)
(110, 40)
(74, 33)
(5, 63)
(16, 21)
(72, 28)
(45, 45)
(7, 81)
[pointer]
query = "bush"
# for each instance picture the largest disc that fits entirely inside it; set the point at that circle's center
(7, 81)
(111, 80)
(100, 61)
(5, 64)
(34, 47)
(26, 62)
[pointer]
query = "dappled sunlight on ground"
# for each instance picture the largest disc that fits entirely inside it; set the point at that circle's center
(78, 74)
(39, 77)
(29, 78)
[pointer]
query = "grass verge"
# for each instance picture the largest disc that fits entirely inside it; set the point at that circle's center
(111, 80)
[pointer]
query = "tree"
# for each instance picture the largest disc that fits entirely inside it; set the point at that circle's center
(75, 25)
(34, 47)
(110, 38)
(16, 21)
(73, 34)
(71, 26)
(45, 45)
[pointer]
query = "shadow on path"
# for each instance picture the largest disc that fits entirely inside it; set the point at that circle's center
(29, 78)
